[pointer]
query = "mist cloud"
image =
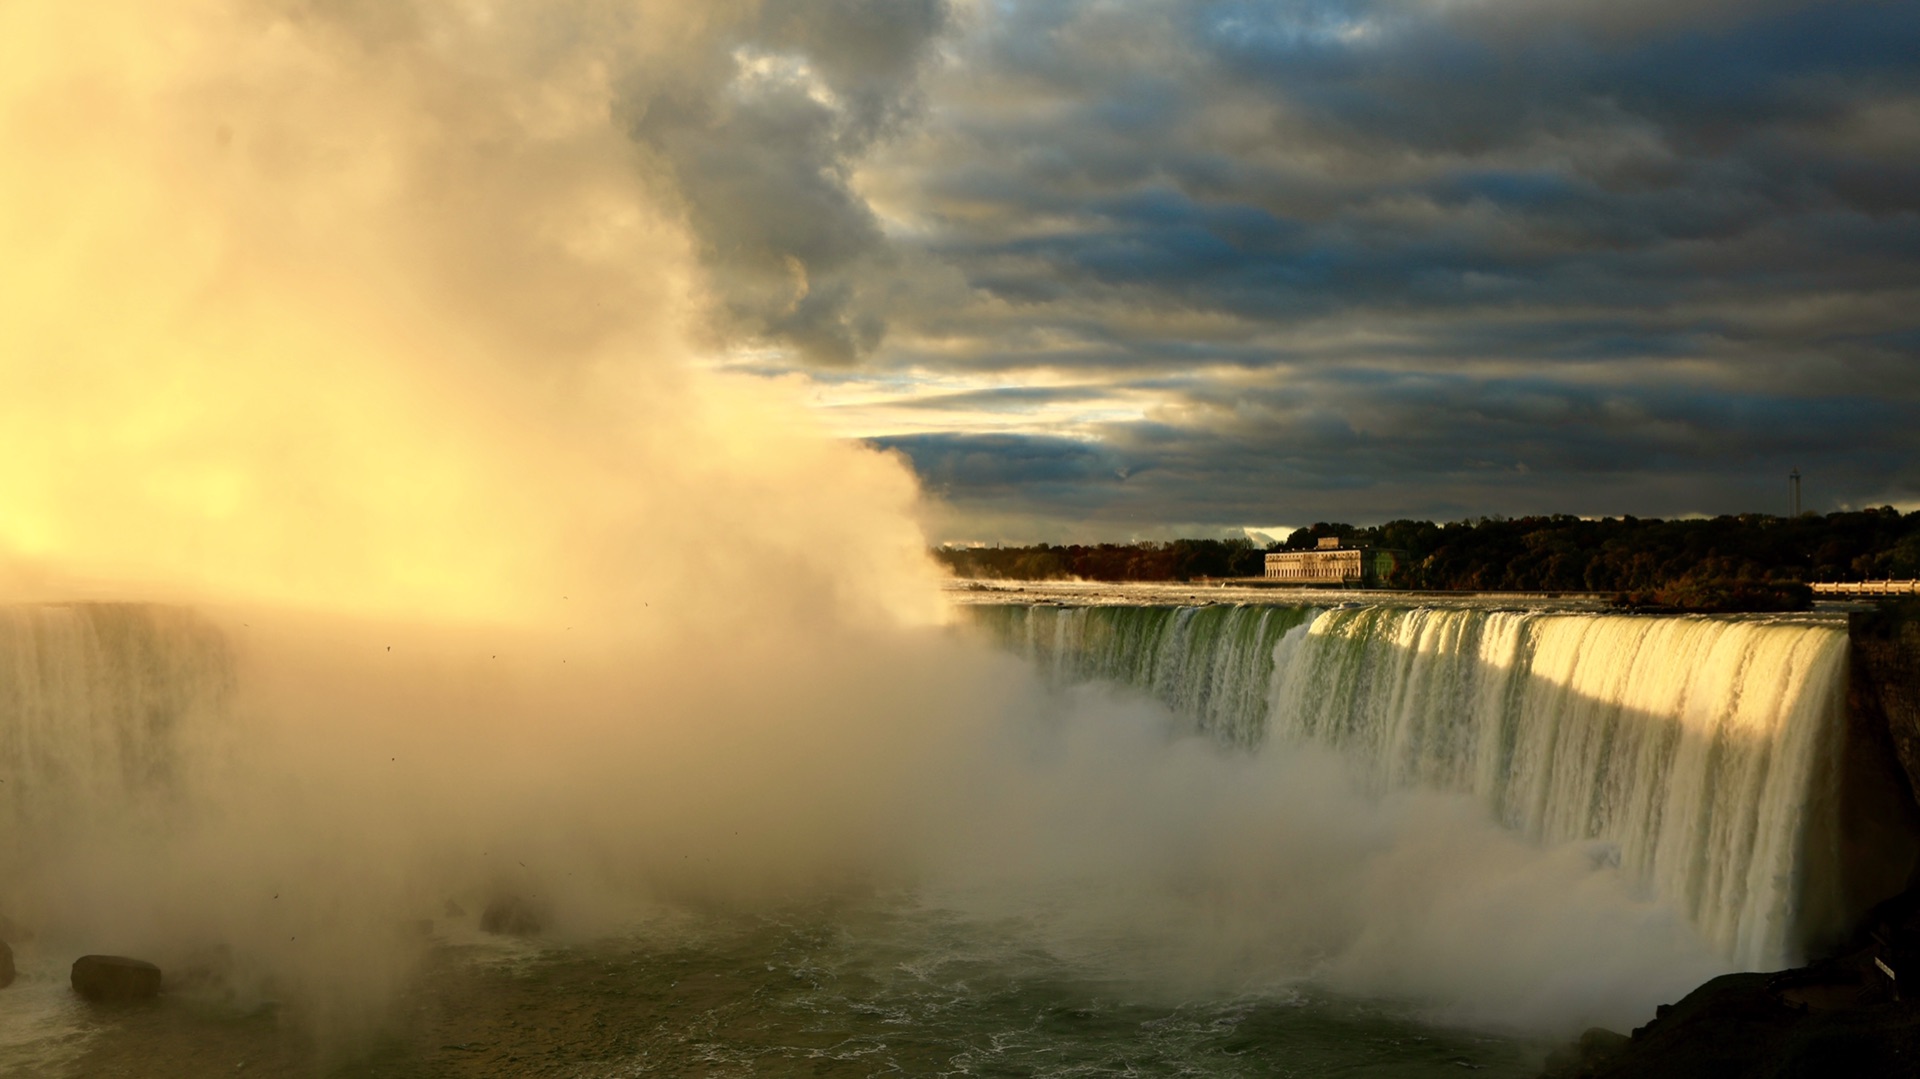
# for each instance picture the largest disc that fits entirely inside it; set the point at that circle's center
(368, 332)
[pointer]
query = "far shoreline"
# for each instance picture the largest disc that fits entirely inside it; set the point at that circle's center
(976, 591)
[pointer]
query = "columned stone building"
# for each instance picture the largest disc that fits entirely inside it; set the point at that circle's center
(1330, 563)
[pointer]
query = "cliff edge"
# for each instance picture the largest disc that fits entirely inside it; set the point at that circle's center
(1884, 685)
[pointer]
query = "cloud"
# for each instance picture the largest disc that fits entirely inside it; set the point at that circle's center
(1702, 213)
(760, 146)
(1371, 445)
(1009, 466)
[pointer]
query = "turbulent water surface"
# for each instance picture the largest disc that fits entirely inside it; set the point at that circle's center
(884, 988)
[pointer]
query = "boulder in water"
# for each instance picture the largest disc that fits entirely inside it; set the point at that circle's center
(115, 977)
(6, 965)
(514, 916)
(1584, 1057)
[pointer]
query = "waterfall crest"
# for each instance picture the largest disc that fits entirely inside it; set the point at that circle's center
(1692, 750)
(1211, 665)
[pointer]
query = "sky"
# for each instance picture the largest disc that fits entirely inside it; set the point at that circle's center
(1112, 269)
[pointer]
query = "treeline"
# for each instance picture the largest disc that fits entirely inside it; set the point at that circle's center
(1655, 560)
(1177, 560)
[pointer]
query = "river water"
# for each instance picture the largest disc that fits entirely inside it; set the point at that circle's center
(884, 986)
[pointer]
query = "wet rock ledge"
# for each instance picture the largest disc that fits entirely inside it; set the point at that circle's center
(1839, 1017)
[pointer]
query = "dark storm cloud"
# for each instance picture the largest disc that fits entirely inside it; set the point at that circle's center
(1371, 445)
(760, 143)
(1013, 467)
(1387, 257)
(1418, 163)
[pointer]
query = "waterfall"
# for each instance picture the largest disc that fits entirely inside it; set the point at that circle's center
(1693, 749)
(94, 700)
(1694, 752)
(1211, 665)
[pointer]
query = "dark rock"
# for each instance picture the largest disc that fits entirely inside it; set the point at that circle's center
(1839, 1017)
(1594, 1048)
(115, 977)
(454, 910)
(513, 915)
(1885, 655)
(1598, 1043)
(6, 965)
(1863, 821)
(1891, 931)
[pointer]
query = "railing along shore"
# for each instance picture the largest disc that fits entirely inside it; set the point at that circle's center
(1868, 588)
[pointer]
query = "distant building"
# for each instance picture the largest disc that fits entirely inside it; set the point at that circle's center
(1330, 563)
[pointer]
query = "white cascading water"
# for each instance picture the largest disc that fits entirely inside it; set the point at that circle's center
(1211, 665)
(1692, 746)
(93, 700)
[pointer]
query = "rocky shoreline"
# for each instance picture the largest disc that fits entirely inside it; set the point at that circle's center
(1843, 1016)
